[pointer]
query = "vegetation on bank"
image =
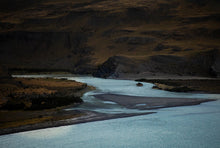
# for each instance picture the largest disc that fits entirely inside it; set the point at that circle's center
(185, 85)
(29, 101)
(35, 94)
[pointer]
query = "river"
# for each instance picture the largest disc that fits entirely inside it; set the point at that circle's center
(182, 127)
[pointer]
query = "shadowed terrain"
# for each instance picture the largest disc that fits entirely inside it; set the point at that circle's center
(111, 38)
(124, 39)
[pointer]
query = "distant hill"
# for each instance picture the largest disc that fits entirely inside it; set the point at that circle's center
(111, 38)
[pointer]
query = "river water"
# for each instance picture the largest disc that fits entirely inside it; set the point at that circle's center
(182, 127)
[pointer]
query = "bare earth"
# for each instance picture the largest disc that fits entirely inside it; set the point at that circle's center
(147, 103)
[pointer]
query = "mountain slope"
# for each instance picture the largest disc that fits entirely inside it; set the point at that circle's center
(78, 36)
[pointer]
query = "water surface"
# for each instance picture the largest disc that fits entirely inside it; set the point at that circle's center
(182, 127)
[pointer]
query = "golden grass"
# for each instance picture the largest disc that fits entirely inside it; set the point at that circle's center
(50, 83)
(39, 91)
(19, 87)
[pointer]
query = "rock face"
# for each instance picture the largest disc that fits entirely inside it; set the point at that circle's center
(139, 84)
(201, 64)
(116, 65)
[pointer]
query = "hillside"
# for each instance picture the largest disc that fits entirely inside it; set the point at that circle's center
(111, 38)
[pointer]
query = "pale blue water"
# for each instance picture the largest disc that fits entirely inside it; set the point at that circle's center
(179, 127)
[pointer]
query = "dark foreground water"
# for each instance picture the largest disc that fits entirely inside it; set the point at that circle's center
(179, 127)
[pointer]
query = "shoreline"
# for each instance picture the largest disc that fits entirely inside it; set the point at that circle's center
(88, 116)
(130, 102)
(185, 84)
(63, 118)
(33, 101)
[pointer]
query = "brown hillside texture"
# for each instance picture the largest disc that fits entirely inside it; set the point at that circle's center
(77, 35)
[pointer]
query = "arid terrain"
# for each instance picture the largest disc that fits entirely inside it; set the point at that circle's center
(109, 38)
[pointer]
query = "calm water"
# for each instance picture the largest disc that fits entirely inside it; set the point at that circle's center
(182, 127)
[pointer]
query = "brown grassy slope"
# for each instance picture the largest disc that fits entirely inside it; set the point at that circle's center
(27, 102)
(75, 35)
(34, 94)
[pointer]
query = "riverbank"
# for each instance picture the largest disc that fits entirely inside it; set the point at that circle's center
(27, 102)
(185, 84)
(73, 117)
(39, 93)
(56, 118)
(27, 119)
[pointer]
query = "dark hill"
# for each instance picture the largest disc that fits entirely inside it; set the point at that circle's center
(180, 37)
(203, 64)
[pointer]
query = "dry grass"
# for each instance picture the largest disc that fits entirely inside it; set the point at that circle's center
(73, 15)
(40, 86)
(20, 87)
(50, 83)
